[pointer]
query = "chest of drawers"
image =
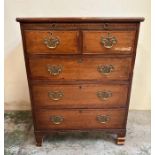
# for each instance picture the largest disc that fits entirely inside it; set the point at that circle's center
(79, 73)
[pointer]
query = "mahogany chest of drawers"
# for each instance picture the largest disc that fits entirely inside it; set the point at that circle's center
(79, 73)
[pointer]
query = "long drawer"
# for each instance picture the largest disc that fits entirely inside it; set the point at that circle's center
(84, 68)
(80, 96)
(80, 119)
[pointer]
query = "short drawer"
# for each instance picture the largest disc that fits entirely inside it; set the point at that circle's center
(80, 96)
(51, 42)
(73, 68)
(108, 42)
(80, 119)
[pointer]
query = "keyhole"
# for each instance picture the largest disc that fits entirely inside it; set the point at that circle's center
(80, 87)
(80, 60)
(80, 111)
(53, 25)
(105, 26)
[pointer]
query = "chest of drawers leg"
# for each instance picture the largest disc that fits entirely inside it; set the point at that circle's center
(80, 73)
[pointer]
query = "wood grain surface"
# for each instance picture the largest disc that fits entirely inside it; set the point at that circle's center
(80, 119)
(80, 96)
(80, 68)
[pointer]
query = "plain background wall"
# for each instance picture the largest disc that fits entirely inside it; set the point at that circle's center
(16, 87)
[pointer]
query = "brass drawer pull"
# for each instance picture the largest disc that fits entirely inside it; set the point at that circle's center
(104, 95)
(57, 119)
(55, 95)
(103, 118)
(51, 41)
(108, 41)
(105, 69)
(54, 69)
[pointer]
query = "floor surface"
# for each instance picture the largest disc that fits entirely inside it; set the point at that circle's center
(19, 138)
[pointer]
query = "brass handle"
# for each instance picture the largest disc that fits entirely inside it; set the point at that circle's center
(108, 41)
(54, 69)
(104, 95)
(51, 41)
(103, 118)
(55, 95)
(105, 69)
(57, 119)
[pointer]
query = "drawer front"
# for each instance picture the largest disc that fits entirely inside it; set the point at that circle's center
(51, 42)
(80, 119)
(76, 26)
(80, 96)
(71, 68)
(108, 42)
